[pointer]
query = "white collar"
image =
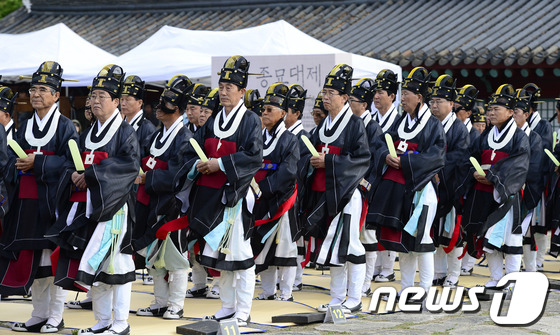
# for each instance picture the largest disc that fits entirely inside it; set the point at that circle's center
(526, 128)
(135, 119)
(223, 119)
(422, 117)
(166, 131)
(167, 136)
(535, 119)
(89, 144)
(346, 113)
(279, 130)
(448, 121)
(296, 128)
(331, 123)
(366, 117)
(42, 122)
(40, 142)
(386, 121)
(11, 123)
(495, 134)
(468, 124)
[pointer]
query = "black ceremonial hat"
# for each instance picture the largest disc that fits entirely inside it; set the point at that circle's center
(133, 86)
(417, 81)
(7, 100)
(340, 78)
(504, 96)
(109, 79)
(235, 71)
(387, 80)
(467, 96)
(175, 91)
(253, 101)
(297, 96)
(212, 101)
(196, 94)
(277, 95)
(49, 73)
(444, 88)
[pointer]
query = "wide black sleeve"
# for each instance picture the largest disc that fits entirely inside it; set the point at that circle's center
(110, 182)
(3, 161)
(456, 156)
(280, 183)
(345, 171)
(534, 185)
(510, 173)
(375, 136)
(241, 166)
(419, 169)
(48, 168)
(162, 181)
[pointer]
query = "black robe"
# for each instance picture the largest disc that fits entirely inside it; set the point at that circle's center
(456, 155)
(31, 214)
(144, 131)
(110, 182)
(391, 206)
(3, 190)
(241, 157)
(325, 192)
(277, 182)
(159, 191)
(508, 173)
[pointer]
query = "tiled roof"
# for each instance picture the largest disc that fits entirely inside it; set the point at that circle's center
(432, 33)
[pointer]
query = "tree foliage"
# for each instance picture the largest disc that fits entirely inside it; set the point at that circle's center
(8, 6)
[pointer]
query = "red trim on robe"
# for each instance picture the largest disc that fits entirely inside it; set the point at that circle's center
(281, 210)
(319, 183)
(217, 179)
(397, 175)
(173, 225)
(141, 195)
(485, 159)
(19, 271)
(261, 174)
(98, 156)
(28, 183)
(455, 236)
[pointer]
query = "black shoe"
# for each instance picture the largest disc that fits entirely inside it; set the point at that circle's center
(384, 279)
(243, 323)
(89, 331)
(350, 310)
(48, 328)
(126, 331)
(80, 304)
(148, 311)
(438, 281)
(201, 292)
(297, 287)
(21, 327)
(261, 297)
(214, 318)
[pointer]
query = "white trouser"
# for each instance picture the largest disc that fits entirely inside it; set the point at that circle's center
(385, 262)
(447, 264)
(171, 292)
(408, 263)
(287, 275)
(268, 281)
(107, 298)
(347, 280)
(299, 270)
(468, 262)
(542, 245)
(48, 301)
(496, 262)
(236, 292)
(198, 273)
(529, 258)
(371, 259)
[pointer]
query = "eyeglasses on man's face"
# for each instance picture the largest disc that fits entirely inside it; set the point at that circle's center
(39, 90)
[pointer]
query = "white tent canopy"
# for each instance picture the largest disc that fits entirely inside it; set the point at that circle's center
(80, 60)
(172, 51)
